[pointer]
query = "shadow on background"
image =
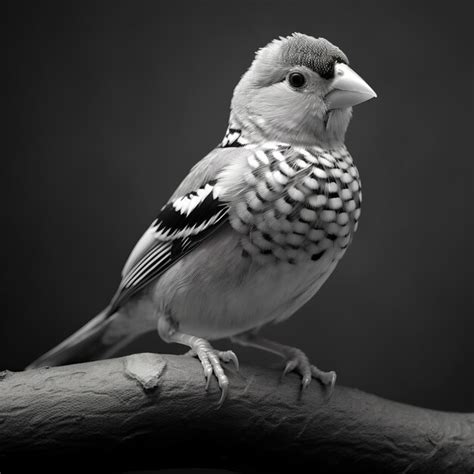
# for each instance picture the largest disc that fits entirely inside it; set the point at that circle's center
(108, 109)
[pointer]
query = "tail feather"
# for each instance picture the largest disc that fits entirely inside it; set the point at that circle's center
(88, 343)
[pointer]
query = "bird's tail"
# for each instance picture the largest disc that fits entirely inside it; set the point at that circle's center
(98, 339)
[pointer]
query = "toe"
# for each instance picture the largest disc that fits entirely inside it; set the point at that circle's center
(211, 363)
(229, 356)
(326, 378)
(220, 375)
(206, 366)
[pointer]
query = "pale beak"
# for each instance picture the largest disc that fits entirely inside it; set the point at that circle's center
(347, 89)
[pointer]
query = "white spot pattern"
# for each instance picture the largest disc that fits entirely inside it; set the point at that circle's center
(300, 202)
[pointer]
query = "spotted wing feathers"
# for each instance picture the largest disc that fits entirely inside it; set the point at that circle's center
(180, 226)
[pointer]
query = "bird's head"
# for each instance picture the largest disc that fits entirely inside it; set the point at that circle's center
(298, 90)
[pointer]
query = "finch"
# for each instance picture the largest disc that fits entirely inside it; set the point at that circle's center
(254, 229)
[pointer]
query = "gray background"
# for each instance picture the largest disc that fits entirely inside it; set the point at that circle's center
(109, 107)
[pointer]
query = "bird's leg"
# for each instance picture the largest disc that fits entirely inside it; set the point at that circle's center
(210, 358)
(295, 359)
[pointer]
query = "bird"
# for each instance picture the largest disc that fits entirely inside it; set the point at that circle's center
(256, 227)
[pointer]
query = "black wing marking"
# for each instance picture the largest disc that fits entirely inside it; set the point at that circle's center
(180, 226)
(189, 214)
(233, 138)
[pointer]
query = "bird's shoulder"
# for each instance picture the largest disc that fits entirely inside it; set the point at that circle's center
(193, 203)
(209, 167)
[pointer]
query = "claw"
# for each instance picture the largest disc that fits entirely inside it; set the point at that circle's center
(290, 366)
(332, 383)
(224, 392)
(305, 381)
(233, 358)
(208, 375)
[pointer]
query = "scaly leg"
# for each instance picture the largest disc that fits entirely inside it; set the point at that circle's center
(210, 358)
(295, 359)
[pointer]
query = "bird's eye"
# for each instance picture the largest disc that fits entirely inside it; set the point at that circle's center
(296, 80)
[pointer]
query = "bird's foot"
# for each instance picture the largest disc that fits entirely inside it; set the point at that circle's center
(211, 363)
(298, 362)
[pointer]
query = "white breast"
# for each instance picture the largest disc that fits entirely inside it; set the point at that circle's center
(215, 292)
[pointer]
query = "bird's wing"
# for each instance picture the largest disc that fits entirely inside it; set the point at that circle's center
(195, 210)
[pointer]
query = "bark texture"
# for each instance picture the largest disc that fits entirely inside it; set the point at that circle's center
(151, 411)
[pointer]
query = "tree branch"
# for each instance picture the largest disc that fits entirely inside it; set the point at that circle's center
(151, 411)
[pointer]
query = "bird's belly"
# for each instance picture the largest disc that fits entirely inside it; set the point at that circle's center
(230, 293)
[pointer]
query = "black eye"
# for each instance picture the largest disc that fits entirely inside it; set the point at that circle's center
(296, 80)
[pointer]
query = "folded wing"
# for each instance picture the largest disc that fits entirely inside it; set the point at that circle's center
(179, 227)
